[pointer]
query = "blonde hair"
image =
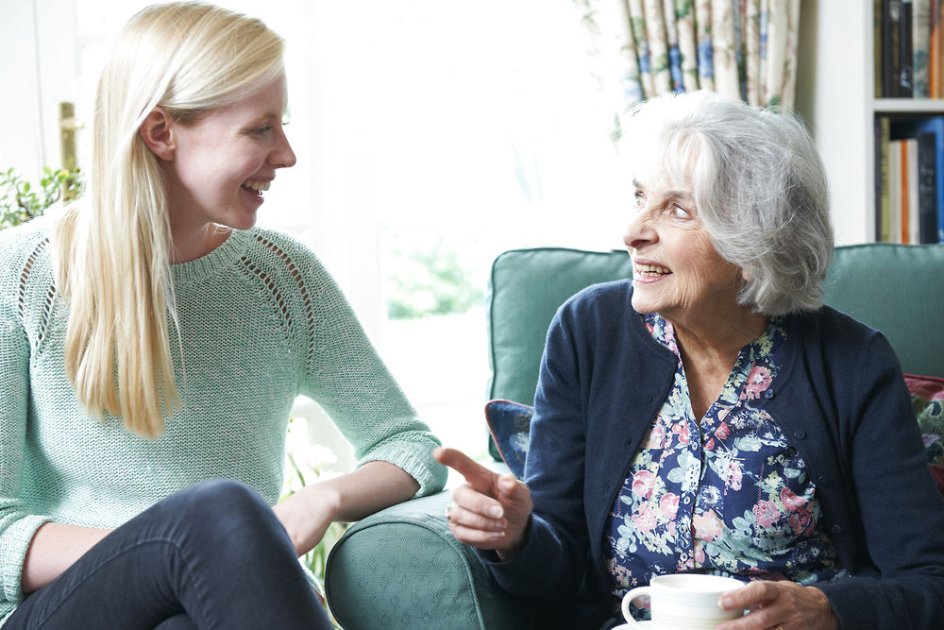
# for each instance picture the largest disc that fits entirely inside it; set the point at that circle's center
(113, 251)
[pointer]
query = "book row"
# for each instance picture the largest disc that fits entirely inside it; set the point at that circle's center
(909, 48)
(909, 179)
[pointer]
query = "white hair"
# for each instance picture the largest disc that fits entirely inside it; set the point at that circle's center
(758, 184)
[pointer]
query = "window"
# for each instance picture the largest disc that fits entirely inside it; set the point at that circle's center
(428, 131)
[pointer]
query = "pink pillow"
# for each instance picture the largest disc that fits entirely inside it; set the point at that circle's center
(927, 398)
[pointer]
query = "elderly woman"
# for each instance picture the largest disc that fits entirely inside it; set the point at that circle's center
(710, 415)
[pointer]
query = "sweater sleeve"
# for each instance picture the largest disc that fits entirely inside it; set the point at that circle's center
(347, 377)
(16, 525)
(902, 514)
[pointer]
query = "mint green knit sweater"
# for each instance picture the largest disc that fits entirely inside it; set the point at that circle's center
(261, 322)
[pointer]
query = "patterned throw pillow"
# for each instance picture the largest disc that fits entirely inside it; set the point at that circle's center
(927, 396)
(509, 422)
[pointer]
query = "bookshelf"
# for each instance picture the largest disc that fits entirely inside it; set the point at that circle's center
(836, 98)
(907, 106)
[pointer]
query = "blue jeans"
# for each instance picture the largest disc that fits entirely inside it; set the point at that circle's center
(211, 556)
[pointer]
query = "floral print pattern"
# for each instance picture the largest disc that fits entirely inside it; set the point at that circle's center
(744, 49)
(728, 494)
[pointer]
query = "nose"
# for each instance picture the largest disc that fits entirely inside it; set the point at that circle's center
(282, 155)
(640, 230)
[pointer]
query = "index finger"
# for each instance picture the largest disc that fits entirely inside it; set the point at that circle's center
(480, 478)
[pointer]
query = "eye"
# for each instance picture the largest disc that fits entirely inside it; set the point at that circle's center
(678, 212)
(260, 131)
(639, 199)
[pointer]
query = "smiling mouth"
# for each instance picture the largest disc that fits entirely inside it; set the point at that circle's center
(649, 271)
(256, 187)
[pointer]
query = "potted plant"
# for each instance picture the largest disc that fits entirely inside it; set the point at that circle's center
(21, 201)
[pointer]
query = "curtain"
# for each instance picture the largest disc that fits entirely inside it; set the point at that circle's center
(744, 49)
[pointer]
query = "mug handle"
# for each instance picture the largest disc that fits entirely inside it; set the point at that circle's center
(628, 598)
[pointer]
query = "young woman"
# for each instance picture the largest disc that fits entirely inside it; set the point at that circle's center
(152, 342)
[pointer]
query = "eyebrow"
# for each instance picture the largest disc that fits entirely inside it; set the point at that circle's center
(671, 194)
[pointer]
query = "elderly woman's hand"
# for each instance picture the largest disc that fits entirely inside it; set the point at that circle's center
(490, 511)
(781, 605)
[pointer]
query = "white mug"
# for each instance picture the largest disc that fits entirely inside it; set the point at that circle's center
(684, 601)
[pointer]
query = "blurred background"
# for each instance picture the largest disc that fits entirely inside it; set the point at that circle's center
(430, 135)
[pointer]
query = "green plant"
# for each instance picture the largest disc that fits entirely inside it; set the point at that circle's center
(430, 280)
(21, 201)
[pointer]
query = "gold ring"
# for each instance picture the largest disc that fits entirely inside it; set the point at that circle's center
(449, 512)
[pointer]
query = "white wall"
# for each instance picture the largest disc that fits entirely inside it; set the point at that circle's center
(21, 144)
(833, 86)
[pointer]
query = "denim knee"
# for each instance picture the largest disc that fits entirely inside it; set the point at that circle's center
(225, 510)
(222, 496)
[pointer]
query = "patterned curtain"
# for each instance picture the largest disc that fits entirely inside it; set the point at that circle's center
(745, 49)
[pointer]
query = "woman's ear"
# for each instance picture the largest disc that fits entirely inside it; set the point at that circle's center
(157, 134)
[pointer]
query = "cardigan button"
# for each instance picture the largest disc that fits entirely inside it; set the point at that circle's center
(836, 529)
(769, 393)
(799, 434)
(823, 481)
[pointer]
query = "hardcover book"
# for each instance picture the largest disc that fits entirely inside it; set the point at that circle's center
(920, 47)
(926, 223)
(905, 50)
(929, 220)
(894, 191)
(882, 201)
(891, 68)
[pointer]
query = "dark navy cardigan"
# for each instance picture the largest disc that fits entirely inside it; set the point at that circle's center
(840, 399)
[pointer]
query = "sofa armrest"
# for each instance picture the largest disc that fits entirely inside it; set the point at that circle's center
(402, 568)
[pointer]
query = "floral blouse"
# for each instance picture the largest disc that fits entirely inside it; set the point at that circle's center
(727, 495)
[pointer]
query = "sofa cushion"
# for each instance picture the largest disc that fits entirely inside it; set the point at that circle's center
(526, 287)
(896, 289)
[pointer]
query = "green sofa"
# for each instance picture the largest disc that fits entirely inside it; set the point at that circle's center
(401, 568)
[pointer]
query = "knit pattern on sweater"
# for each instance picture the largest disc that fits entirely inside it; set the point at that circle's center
(261, 321)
